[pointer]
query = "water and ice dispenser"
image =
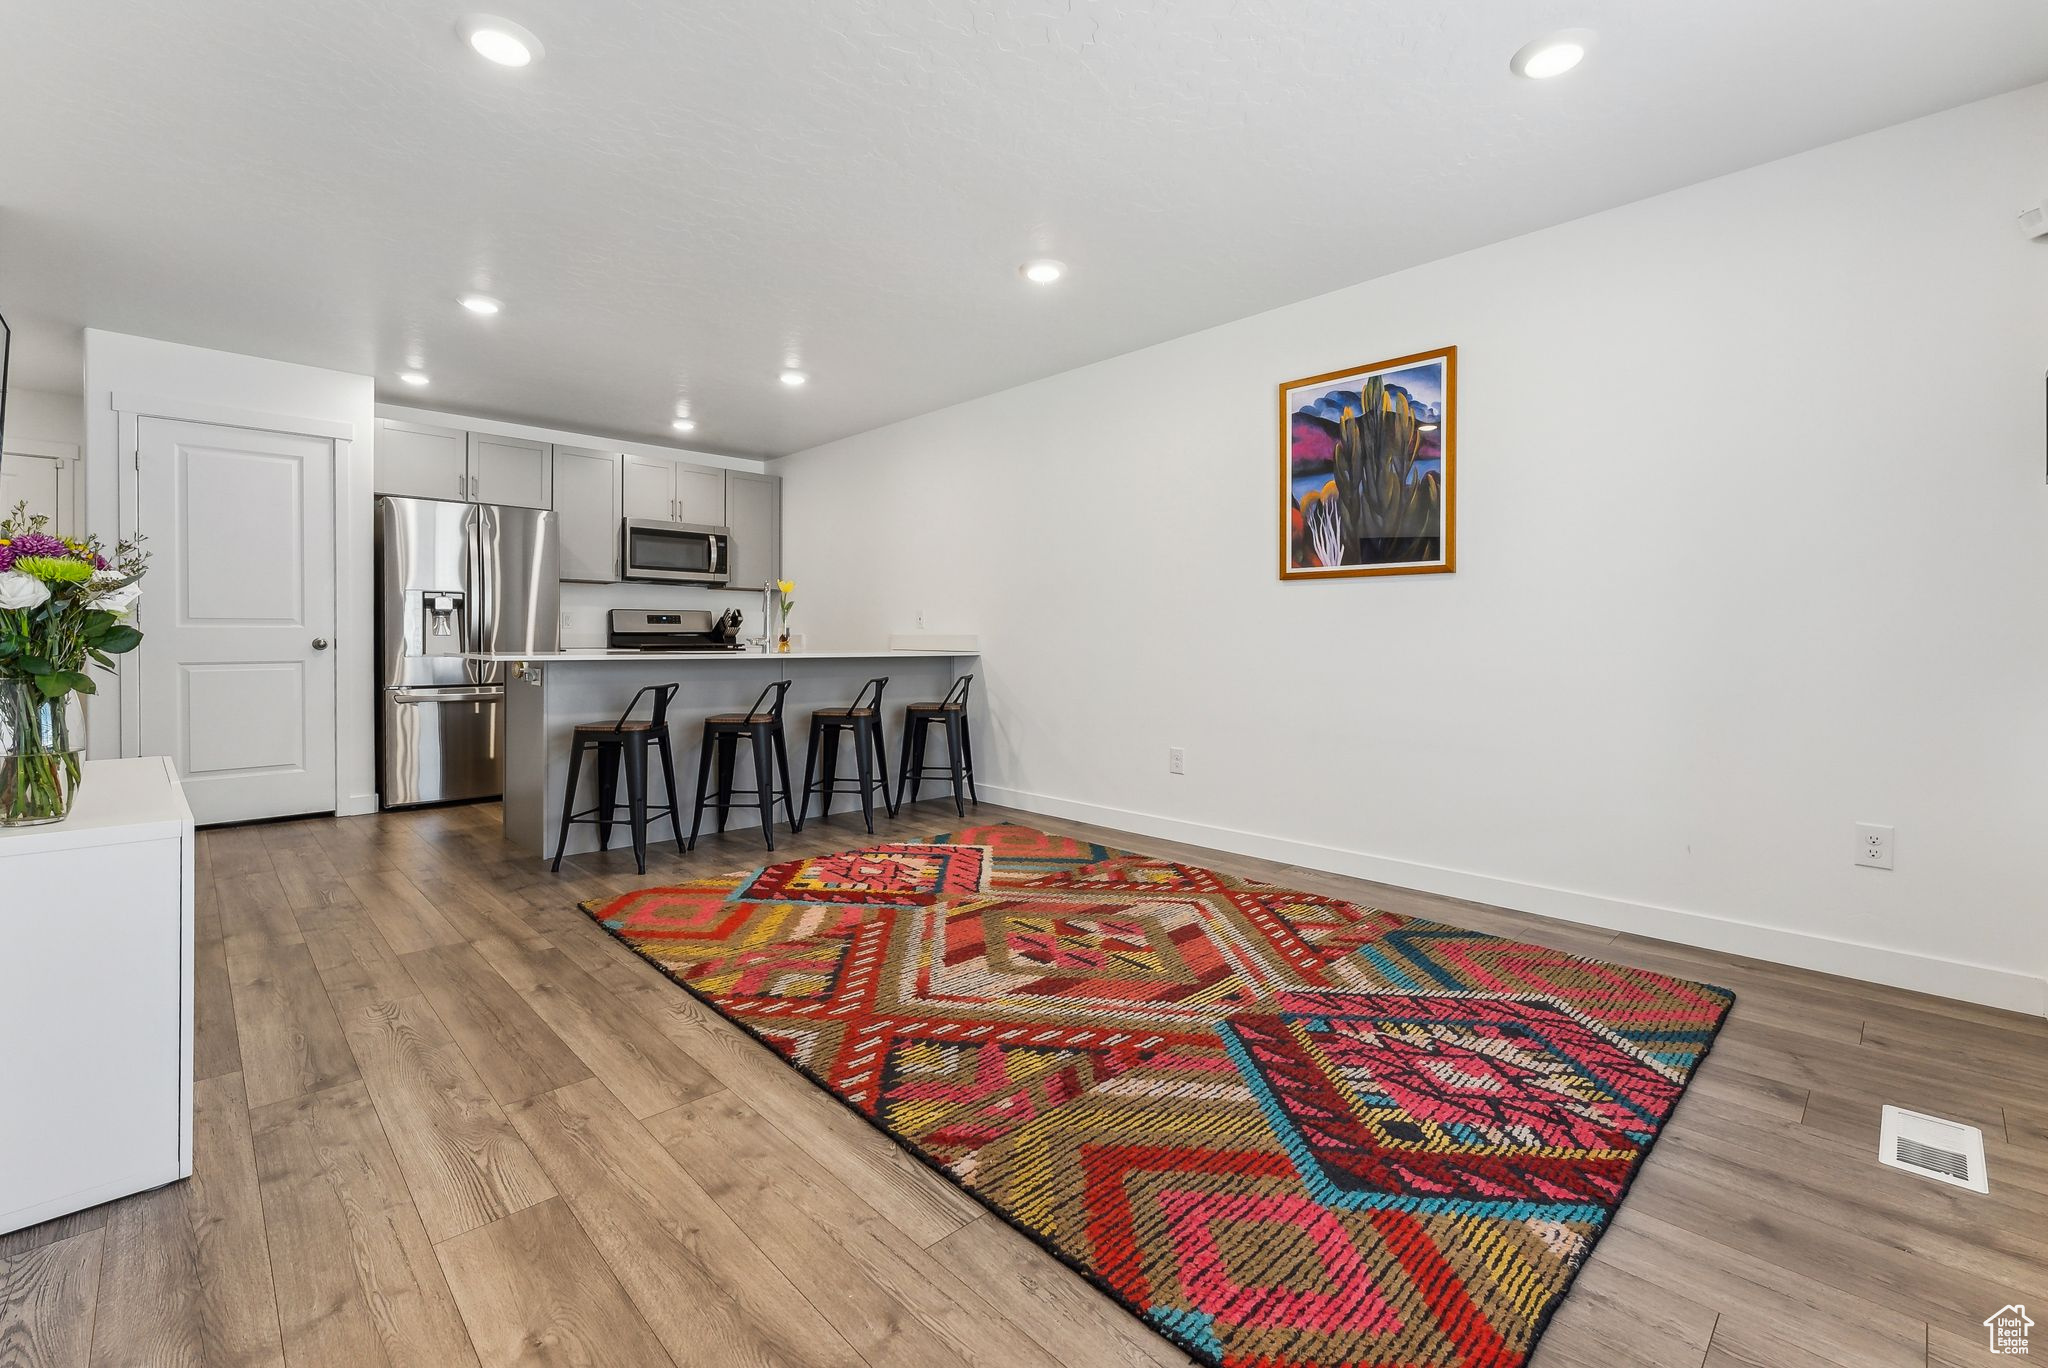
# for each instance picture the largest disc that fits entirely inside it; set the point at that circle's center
(442, 626)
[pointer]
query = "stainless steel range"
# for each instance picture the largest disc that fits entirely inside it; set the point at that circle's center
(641, 629)
(455, 578)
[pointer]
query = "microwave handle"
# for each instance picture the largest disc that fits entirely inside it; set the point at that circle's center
(717, 552)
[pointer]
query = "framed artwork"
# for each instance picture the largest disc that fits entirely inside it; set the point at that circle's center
(1368, 484)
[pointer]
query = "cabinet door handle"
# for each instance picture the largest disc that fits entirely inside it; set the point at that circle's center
(461, 485)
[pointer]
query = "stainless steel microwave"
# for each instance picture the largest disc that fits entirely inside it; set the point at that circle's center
(675, 553)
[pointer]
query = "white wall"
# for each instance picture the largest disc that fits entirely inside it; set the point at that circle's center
(193, 380)
(44, 416)
(1753, 545)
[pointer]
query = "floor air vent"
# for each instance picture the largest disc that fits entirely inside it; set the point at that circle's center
(1946, 1151)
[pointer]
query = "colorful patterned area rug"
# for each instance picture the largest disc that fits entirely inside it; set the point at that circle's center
(1285, 1130)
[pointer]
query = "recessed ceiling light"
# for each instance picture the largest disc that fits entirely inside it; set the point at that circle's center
(684, 425)
(793, 378)
(1552, 55)
(414, 377)
(481, 304)
(1043, 271)
(499, 40)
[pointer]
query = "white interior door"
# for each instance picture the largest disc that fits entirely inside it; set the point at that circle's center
(236, 677)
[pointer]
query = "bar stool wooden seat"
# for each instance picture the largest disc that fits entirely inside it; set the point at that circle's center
(761, 727)
(623, 745)
(862, 718)
(949, 712)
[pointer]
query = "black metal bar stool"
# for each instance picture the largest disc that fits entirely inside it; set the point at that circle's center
(949, 712)
(623, 745)
(863, 717)
(760, 725)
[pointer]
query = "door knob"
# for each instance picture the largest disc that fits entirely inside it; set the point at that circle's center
(319, 643)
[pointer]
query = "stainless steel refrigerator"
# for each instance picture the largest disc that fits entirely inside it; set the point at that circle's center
(455, 578)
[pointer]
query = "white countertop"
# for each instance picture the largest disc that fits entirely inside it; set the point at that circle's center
(118, 801)
(604, 657)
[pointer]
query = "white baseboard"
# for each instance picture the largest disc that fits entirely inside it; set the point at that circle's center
(355, 804)
(1980, 983)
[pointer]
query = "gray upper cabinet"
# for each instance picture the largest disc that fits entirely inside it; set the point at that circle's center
(661, 490)
(700, 496)
(508, 470)
(415, 461)
(419, 461)
(753, 510)
(586, 488)
(650, 489)
(591, 491)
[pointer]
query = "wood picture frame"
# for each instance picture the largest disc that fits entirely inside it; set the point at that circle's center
(1362, 496)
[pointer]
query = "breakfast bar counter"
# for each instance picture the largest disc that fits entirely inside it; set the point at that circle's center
(548, 694)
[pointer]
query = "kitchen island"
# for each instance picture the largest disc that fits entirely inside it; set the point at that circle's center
(547, 695)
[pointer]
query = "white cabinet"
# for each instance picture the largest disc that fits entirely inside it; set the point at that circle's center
(662, 490)
(586, 490)
(96, 946)
(508, 470)
(415, 461)
(753, 511)
(419, 461)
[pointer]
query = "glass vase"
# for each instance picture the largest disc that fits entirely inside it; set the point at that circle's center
(42, 749)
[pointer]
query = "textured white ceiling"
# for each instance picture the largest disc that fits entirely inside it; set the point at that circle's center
(682, 197)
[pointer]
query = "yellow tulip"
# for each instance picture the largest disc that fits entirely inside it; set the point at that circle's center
(786, 586)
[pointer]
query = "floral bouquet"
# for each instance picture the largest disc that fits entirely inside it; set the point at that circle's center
(62, 604)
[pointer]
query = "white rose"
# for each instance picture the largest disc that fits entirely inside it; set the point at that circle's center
(115, 601)
(22, 591)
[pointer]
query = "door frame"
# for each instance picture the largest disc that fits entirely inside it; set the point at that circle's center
(129, 411)
(70, 474)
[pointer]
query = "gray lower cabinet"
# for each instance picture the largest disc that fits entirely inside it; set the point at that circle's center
(753, 513)
(587, 513)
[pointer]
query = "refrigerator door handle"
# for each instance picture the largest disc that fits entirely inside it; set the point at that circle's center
(489, 694)
(483, 629)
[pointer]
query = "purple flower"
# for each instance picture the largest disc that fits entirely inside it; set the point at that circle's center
(6, 557)
(36, 544)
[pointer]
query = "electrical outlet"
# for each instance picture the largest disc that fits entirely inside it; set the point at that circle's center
(1176, 761)
(1874, 845)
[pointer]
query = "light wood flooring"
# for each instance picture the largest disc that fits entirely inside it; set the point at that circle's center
(443, 1119)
